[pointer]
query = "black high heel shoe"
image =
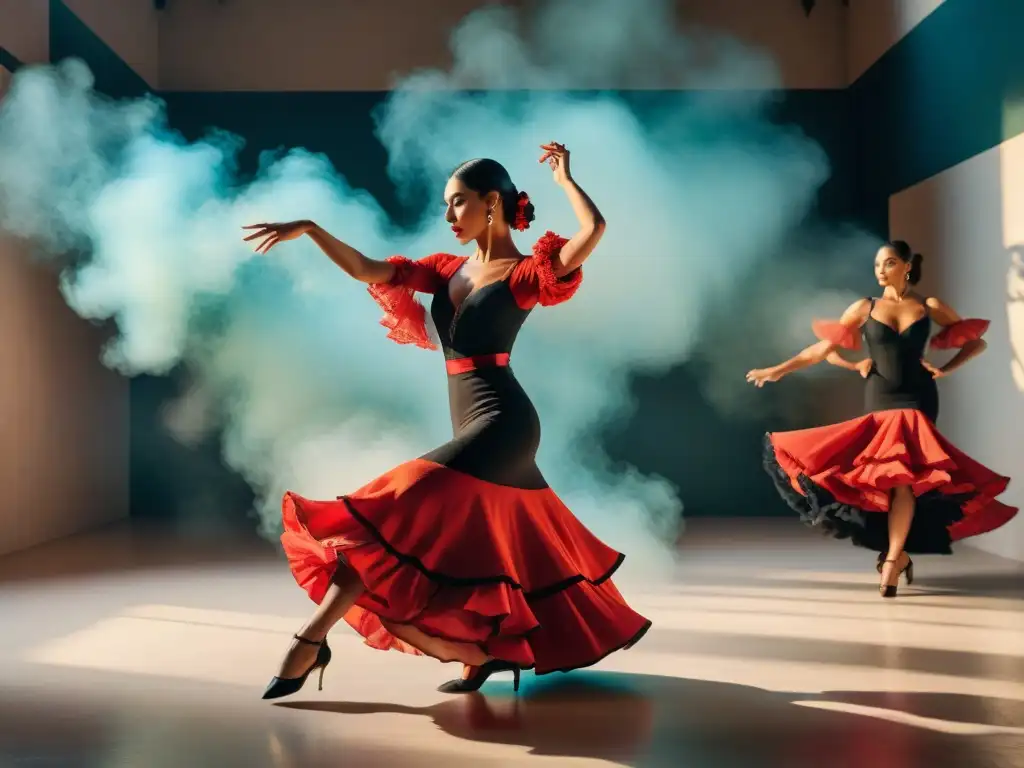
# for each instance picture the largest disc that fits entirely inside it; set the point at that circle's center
(889, 590)
(479, 677)
(286, 686)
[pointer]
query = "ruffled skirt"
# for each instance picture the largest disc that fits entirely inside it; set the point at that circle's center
(462, 569)
(839, 479)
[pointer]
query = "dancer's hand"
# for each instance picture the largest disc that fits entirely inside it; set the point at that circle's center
(272, 234)
(864, 367)
(937, 373)
(761, 376)
(557, 156)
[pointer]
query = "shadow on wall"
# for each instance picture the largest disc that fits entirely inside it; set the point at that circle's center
(1015, 312)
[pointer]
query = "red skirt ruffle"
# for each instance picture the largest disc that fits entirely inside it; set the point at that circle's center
(461, 569)
(839, 477)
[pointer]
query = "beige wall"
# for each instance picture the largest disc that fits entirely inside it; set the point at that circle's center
(25, 29)
(319, 45)
(130, 28)
(64, 429)
(326, 45)
(875, 26)
(968, 221)
(63, 416)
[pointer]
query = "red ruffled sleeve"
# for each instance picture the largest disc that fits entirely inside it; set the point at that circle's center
(834, 332)
(404, 316)
(534, 280)
(959, 333)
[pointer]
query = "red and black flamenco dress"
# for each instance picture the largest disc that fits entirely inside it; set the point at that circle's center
(466, 553)
(839, 477)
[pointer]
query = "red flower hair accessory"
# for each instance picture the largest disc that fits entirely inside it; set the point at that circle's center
(521, 223)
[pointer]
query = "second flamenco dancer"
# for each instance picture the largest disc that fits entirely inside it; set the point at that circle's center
(888, 480)
(463, 554)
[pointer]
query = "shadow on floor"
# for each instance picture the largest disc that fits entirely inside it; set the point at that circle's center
(113, 728)
(1001, 584)
(644, 720)
(1009, 585)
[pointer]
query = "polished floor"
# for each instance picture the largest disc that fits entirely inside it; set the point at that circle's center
(771, 648)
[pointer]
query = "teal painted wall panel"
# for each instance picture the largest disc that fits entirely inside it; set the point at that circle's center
(8, 60)
(940, 96)
(70, 37)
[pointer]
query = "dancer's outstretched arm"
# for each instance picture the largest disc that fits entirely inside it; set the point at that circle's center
(592, 224)
(853, 318)
(353, 262)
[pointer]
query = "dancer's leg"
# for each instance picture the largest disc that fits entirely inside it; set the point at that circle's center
(345, 589)
(901, 515)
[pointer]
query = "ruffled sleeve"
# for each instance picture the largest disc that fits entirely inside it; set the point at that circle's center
(534, 279)
(834, 332)
(959, 333)
(404, 316)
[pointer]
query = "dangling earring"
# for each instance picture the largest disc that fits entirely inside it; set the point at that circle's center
(490, 220)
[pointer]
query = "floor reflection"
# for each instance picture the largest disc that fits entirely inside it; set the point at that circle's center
(647, 720)
(759, 658)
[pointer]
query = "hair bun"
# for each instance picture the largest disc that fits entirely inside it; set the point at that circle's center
(914, 276)
(524, 212)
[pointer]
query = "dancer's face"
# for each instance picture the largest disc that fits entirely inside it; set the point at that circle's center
(467, 210)
(890, 269)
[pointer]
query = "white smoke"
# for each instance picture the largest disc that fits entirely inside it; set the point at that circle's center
(284, 352)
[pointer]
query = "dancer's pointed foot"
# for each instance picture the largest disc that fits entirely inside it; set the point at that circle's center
(303, 658)
(474, 677)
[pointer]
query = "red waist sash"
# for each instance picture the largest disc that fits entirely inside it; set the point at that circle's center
(467, 364)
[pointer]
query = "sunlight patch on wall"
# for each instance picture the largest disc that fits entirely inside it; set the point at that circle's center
(1011, 158)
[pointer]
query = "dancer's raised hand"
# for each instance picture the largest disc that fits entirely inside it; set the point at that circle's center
(270, 235)
(557, 156)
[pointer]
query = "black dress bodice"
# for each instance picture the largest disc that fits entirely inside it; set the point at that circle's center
(495, 427)
(897, 378)
(487, 321)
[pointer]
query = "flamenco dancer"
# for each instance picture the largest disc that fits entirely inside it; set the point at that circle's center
(888, 480)
(464, 554)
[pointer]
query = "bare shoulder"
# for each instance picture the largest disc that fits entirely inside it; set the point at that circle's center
(857, 313)
(940, 312)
